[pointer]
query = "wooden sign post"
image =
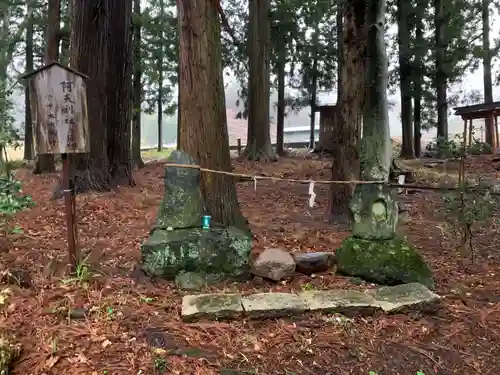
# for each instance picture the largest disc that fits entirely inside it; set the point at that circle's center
(58, 103)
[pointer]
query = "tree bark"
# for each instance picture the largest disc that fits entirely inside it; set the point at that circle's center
(259, 138)
(488, 85)
(28, 125)
(89, 56)
(313, 92)
(417, 88)
(137, 89)
(119, 91)
(280, 72)
(160, 80)
(350, 99)
(441, 75)
(204, 132)
(45, 163)
(405, 74)
(376, 141)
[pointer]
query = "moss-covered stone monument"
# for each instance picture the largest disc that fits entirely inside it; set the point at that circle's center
(374, 251)
(178, 243)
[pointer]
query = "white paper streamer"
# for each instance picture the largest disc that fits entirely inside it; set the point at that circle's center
(312, 194)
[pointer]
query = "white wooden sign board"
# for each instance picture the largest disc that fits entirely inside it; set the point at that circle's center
(58, 103)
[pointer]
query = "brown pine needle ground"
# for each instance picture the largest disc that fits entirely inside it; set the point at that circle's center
(122, 320)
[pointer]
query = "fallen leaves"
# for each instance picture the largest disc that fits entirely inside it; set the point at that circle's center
(112, 226)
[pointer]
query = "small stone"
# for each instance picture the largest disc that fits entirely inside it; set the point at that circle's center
(274, 264)
(212, 306)
(266, 305)
(190, 280)
(78, 313)
(309, 263)
(398, 298)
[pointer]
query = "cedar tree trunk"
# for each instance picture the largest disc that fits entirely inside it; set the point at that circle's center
(441, 76)
(345, 148)
(404, 10)
(204, 132)
(89, 56)
(119, 92)
(28, 125)
(137, 89)
(259, 138)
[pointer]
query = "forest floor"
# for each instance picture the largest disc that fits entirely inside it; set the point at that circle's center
(126, 317)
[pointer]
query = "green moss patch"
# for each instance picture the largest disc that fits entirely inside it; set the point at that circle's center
(387, 262)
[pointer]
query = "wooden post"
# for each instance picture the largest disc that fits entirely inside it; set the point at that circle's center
(470, 132)
(239, 146)
(465, 134)
(496, 133)
(494, 143)
(69, 203)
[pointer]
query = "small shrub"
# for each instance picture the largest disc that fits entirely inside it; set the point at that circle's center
(471, 204)
(479, 148)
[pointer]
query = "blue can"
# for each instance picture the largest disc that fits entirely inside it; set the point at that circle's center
(205, 221)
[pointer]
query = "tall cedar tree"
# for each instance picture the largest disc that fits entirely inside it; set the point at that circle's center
(137, 88)
(418, 72)
(345, 165)
(204, 132)
(28, 130)
(259, 139)
(45, 163)
(441, 75)
(89, 36)
(488, 85)
(404, 13)
(119, 91)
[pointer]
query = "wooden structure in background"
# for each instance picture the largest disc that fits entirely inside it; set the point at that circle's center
(58, 103)
(327, 122)
(476, 112)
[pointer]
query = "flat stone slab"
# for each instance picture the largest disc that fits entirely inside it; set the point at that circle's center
(267, 305)
(211, 306)
(412, 296)
(391, 299)
(348, 302)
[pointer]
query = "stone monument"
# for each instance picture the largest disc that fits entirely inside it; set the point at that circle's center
(374, 251)
(178, 244)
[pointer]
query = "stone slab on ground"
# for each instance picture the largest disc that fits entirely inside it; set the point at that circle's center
(348, 302)
(391, 299)
(267, 305)
(211, 306)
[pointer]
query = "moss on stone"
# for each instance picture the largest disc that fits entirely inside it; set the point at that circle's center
(216, 251)
(375, 212)
(388, 262)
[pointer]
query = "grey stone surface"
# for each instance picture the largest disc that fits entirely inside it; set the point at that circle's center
(266, 305)
(179, 244)
(402, 298)
(274, 264)
(386, 262)
(182, 204)
(220, 250)
(309, 263)
(190, 280)
(406, 296)
(348, 302)
(211, 306)
(375, 212)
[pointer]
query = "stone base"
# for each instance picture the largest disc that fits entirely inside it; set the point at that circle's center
(387, 262)
(218, 250)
